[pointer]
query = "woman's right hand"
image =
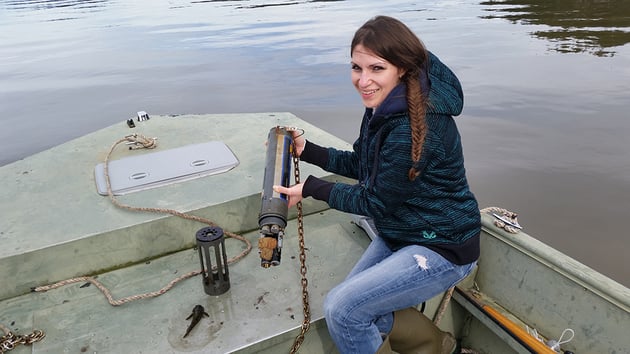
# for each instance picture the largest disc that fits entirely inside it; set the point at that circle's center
(298, 139)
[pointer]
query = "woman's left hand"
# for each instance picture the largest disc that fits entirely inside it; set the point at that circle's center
(294, 193)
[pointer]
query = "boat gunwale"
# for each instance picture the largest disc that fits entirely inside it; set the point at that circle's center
(590, 279)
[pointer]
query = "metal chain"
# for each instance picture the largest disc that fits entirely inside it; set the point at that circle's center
(9, 341)
(305, 304)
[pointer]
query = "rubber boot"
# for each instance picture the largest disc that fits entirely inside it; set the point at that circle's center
(414, 333)
(385, 348)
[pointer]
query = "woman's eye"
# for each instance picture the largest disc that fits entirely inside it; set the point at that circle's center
(378, 68)
(355, 67)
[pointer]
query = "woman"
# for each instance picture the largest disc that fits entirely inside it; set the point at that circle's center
(409, 163)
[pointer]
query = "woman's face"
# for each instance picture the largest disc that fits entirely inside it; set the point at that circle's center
(373, 76)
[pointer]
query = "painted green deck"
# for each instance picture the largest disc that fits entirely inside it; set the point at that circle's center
(263, 306)
(55, 226)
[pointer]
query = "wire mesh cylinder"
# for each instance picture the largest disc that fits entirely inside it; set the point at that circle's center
(214, 267)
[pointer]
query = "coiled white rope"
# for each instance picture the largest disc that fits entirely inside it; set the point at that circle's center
(504, 219)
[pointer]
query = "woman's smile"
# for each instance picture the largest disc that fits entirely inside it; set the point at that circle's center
(366, 94)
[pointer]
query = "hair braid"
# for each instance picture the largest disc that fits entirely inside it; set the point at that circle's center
(416, 103)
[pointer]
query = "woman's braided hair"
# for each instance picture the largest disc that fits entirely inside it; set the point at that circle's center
(393, 41)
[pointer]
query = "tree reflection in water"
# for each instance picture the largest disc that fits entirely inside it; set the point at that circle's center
(592, 26)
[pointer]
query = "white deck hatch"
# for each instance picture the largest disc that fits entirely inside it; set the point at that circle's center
(155, 169)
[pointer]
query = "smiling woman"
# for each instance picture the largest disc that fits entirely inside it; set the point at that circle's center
(409, 166)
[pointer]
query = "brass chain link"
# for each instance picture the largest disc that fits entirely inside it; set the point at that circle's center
(9, 341)
(300, 221)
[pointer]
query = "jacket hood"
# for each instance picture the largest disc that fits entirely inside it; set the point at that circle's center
(445, 93)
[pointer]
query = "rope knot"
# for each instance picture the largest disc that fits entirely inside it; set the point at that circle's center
(139, 141)
(504, 219)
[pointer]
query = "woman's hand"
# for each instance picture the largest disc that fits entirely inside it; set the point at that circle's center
(294, 193)
(298, 139)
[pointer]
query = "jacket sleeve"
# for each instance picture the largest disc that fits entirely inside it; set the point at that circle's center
(344, 163)
(317, 188)
(391, 186)
(315, 154)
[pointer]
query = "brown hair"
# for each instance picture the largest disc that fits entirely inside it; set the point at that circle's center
(393, 41)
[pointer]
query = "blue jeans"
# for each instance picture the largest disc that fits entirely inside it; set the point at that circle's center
(359, 309)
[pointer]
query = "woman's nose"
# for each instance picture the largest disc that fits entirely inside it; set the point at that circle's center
(364, 79)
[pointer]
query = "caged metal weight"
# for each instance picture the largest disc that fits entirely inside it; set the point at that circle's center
(214, 267)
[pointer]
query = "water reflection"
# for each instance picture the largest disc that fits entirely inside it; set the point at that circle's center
(49, 4)
(591, 26)
(266, 4)
(57, 10)
(286, 3)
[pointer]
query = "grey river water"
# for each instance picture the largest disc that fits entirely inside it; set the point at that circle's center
(545, 126)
